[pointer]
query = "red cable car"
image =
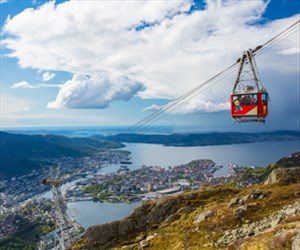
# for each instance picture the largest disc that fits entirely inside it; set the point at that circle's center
(249, 102)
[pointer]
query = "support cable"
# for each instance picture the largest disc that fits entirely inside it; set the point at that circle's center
(156, 115)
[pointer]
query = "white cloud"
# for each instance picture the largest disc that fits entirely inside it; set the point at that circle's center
(94, 92)
(23, 84)
(46, 76)
(153, 107)
(26, 85)
(201, 105)
(169, 53)
(3, 1)
(191, 106)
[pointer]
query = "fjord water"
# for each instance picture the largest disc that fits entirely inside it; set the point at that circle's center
(247, 154)
(88, 213)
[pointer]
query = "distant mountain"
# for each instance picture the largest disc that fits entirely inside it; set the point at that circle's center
(205, 139)
(19, 154)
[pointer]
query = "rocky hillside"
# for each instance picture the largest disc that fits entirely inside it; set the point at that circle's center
(263, 216)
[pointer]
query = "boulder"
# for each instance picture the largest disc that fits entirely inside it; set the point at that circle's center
(287, 235)
(204, 216)
(240, 211)
(296, 243)
(284, 176)
(234, 201)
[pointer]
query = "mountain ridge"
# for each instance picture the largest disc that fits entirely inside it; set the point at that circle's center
(20, 154)
(206, 139)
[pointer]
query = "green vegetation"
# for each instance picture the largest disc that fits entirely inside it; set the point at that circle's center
(27, 235)
(102, 193)
(20, 154)
(258, 174)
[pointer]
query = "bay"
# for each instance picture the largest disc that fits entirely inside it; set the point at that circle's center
(88, 213)
(247, 154)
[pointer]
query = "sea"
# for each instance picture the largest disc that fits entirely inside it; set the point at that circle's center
(89, 213)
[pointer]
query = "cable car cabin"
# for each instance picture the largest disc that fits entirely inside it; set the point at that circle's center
(249, 107)
(249, 99)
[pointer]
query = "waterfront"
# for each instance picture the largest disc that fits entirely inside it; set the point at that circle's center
(89, 213)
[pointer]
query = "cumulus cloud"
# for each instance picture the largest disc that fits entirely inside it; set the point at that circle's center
(27, 85)
(95, 92)
(46, 76)
(160, 44)
(200, 104)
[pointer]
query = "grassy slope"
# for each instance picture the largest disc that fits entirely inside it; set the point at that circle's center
(184, 234)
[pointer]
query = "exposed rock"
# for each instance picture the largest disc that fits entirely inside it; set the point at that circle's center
(259, 226)
(240, 211)
(284, 176)
(130, 246)
(296, 243)
(255, 194)
(144, 244)
(150, 237)
(203, 216)
(186, 210)
(287, 236)
(172, 217)
(244, 199)
(234, 201)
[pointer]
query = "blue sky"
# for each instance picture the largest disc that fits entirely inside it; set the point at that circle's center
(93, 63)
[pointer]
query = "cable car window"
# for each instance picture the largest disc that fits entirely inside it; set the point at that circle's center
(242, 100)
(253, 100)
(264, 98)
(250, 99)
(237, 102)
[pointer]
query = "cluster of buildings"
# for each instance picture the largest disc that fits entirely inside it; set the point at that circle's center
(146, 182)
(18, 189)
(8, 226)
(31, 211)
(19, 196)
